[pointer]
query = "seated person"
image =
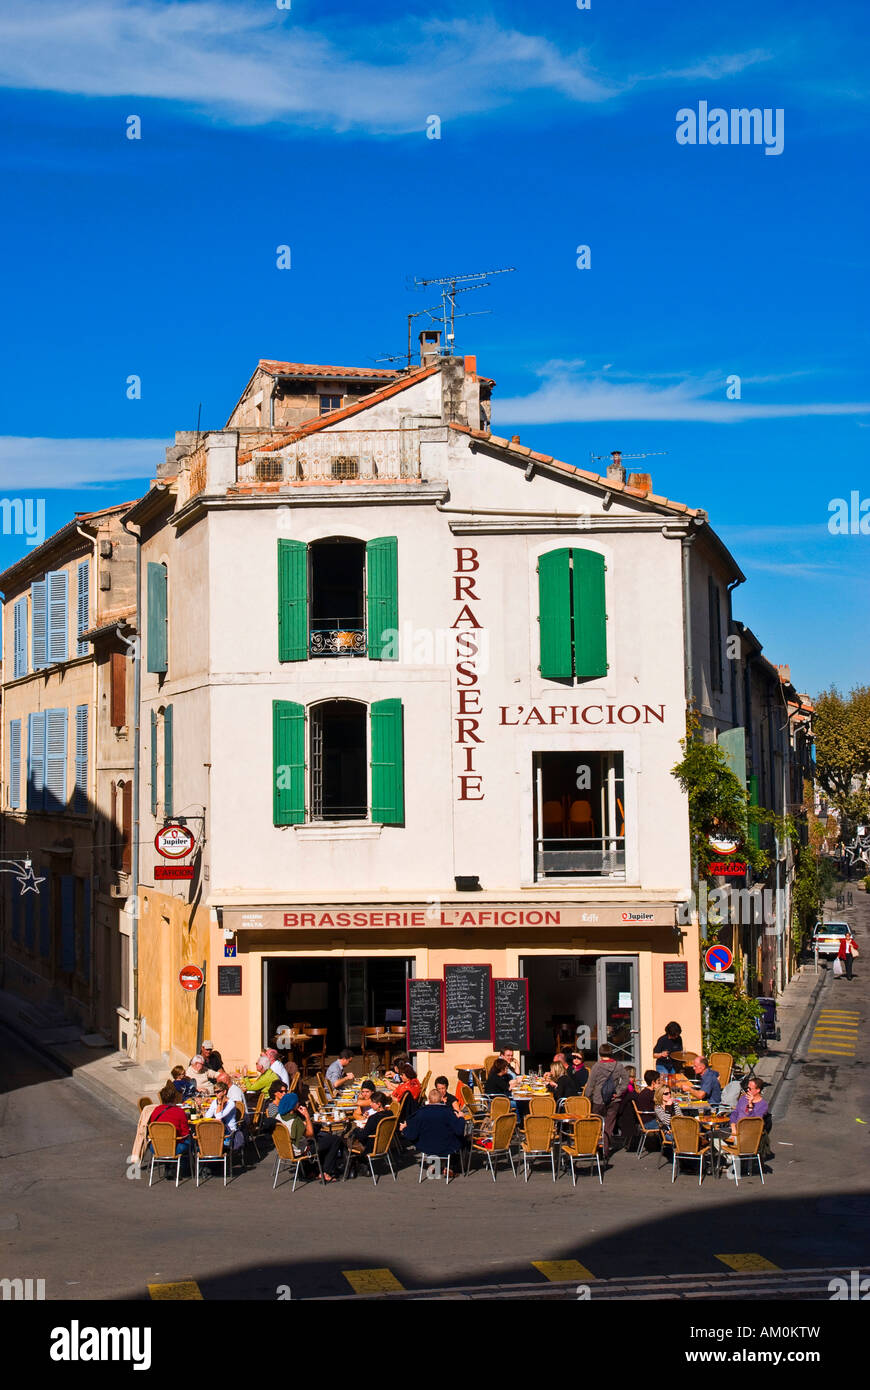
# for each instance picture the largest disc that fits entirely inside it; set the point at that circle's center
(234, 1091)
(337, 1073)
(378, 1110)
(749, 1105)
(407, 1081)
(169, 1111)
(264, 1078)
(224, 1109)
(645, 1099)
(575, 1064)
(212, 1059)
(507, 1053)
(665, 1106)
(436, 1130)
(275, 1064)
(304, 1134)
(364, 1099)
(184, 1085)
(498, 1083)
(442, 1086)
(277, 1092)
(196, 1072)
(670, 1041)
(707, 1088)
(561, 1082)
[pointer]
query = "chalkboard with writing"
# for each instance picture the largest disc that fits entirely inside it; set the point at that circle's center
(510, 1015)
(229, 979)
(467, 1003)
(425, 1015)
(676, 976)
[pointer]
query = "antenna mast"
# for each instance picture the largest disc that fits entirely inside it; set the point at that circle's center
(452, 285)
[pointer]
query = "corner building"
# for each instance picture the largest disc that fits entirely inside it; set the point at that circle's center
(424, 688)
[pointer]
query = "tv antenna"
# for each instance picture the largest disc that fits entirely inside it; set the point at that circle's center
(452, 285)
(616, 456)
(406, 356)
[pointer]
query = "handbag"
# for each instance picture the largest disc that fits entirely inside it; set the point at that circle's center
(855, 951)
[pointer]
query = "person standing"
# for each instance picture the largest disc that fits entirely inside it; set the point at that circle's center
(670, 1041)
(607, 1084)
(848, 949)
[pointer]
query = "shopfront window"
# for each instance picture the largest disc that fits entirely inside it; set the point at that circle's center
(579, 815)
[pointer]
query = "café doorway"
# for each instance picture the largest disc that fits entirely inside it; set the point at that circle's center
(341, 995)
(590, 998)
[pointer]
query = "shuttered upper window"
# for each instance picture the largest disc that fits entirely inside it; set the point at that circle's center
(572, 615)
(158, 630)
(47, 760)
(83, 610)
(336, 784)
(80, 795)
(303, 628)
(15, 764)
(20, 637)
(49, 637)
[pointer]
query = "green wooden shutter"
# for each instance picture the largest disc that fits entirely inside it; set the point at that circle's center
(388, 772)
(167, 761)
(382, 598)
(590, 618)
(157, 620)
(754, 829)
(554, 613)
(288, 762)
(292, 601)
(154, 762)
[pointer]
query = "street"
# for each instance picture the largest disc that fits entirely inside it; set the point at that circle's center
(72, 1217)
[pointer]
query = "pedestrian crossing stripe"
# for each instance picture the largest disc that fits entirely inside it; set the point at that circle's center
(183, 1289)
(373, 1281)
(838, 1030)
(834, 1051)
(747, 1263)
(563, 1271)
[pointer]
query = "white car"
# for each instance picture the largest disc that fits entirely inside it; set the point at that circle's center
(828, 935)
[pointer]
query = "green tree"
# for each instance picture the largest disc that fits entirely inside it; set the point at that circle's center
(842, 733)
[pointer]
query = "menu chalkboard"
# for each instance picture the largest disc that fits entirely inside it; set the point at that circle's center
(510, 1015)
(467, 1003)
(229, 979)
(425, 1015)
(676, 976)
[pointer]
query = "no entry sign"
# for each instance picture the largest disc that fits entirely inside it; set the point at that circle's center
(718, 958)
(191, 977)
(174, 841)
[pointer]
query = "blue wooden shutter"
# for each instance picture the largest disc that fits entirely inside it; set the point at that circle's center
(154, 762)
(29, 929)
(388, 775)
(80, 796)
(39, 625)
(84, 606)
(55, 759)
(67, 923)
(85, 961)
(288, 762)
(45, 915)
(35, 762)
(292, 601)
(590, 617)
(58, 616)
(167, 761)
(15, 764)
(16, 912)
(20, 645)
(158, 645)
(382, 598)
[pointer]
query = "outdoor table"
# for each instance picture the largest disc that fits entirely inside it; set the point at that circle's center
(389, 1042)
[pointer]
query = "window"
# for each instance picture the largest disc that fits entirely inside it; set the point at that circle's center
(338, 597)
(15, 764)
(80, 795)
(47, 760)
(158, 632)
(20, 638)
(83, 610)
(50, 619)
(122, 826)
(162, 760)
(329, 403)
(339, 740)
(579, 815)
(715, 614)
(571, 614)
(118, 689)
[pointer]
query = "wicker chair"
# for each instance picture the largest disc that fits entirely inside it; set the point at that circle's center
(210, 1146)
(686, 1131)
(424, 1087)
(487, 1063)
(538, 1142)
(285, 1154)
(498, 1106)
(746, 1145)
(542, 1105)
(648, 1127)
(578, 1106)
(316, 1050)
(385, 1132)
(503, 1131)
(143, 1101)
(255, 1123)
(583, 1145)
(163, 1138)
(723, 1063)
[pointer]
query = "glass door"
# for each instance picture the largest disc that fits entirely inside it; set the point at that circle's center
(355, 1001)
(616, 980)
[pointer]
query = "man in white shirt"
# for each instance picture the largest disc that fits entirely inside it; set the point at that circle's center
(234, 1092)
(278, 1066)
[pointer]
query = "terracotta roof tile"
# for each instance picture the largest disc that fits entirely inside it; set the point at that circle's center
(316, 369)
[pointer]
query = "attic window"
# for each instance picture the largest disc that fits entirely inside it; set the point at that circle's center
(343, 466)
(269, 470)
(329, 403)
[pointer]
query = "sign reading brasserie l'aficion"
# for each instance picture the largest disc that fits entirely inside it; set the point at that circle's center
(299, 918)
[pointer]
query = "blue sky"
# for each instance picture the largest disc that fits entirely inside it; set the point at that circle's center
(264, 126)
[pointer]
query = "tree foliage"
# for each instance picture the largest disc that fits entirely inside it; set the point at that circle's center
(842, 733)
(718, 804)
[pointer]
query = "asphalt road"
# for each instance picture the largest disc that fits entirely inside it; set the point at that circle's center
(70, 1215)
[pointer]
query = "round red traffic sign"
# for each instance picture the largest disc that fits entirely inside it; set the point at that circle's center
(191, 977)
(718, 958)
(174, 841)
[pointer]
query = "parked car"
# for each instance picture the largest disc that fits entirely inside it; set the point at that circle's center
(828, 935)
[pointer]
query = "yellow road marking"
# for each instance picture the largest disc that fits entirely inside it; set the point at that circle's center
(834, 1051)
(563, 1271)
(837, 1032)
(746, 1263)
(185, 1288)
(372, 1280)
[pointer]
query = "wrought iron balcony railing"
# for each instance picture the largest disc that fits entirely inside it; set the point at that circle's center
(598, 856)
(347, 456)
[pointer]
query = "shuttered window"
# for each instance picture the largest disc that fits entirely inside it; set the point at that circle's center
(126, 826)
(20, 638)
(56, 721)
(38, 625)
(387, 762)
(15, 764)
(572, 615)
(118, 696)
(382, 597)
(292, 601)
(67, 923)
(288, 762)
(84, 606)
(35, 761)
(58, 616)
(167, 762)
(80, 796)
(154, 762)
(45, 915)
(158, 643)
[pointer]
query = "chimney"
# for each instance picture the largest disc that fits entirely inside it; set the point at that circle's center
(615, 469)
(430, 346)
(641, 481)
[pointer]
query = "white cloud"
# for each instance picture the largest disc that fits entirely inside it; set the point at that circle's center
(29, 465)
(564, 398)
(250, 64)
